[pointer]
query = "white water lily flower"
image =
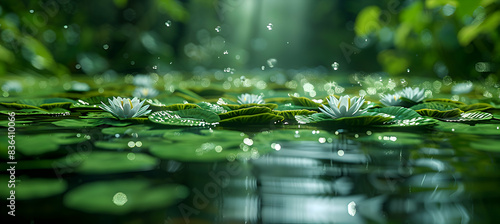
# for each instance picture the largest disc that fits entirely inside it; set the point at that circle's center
(414, 94)
(250, 98)
(392, 100)
(343, 107)
(145, 92)
(126, 108)
(462, 88)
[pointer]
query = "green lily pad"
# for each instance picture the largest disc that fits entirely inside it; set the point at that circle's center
(206, 146)
(212, 107)
(476, 107)
(470, 116)
(368, 118)
(98, 115)
(439, 106)
(305, 102)
(189, 117)
(123, 196)
(18, 106)
(290, 114)
(174, 107)
(97, 162)
(33, 188)
(452, 103)
(403, 117)
(439, 113)
(271, 106)
(5, 123)
(49, 106)
(81, 123)
(245, 111)
(255, 119)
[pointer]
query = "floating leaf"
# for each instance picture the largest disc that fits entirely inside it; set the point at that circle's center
(33, 145)
(257, 119)
(305, 102)
(97, 162)
(190, 117)
(400, 113)
(34, 188)
(212, 107)
(452, 103)
(18, 106)
(245, 111)
(271, 106)
(174, 107)
(120, 197)
(470, 116)
(476, 107)
(81, 123)
(290, 114)
(49, 106)
(435, 106)
(440, 114)
(368, 118)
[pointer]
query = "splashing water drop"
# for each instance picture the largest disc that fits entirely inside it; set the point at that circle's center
(270, 26)
(168, 23)
(225, 52)
(271, 62)
(335, 66)
(217, 28)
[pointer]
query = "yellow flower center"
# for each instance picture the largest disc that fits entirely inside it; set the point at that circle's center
(130, 101)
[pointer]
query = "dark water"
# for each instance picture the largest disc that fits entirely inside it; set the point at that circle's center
(309, 176)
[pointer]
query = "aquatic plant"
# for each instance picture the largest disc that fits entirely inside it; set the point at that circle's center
(391, 100)
(414, 94)
(145, 92)
(345, 106)
(124, 108)
(250, 98)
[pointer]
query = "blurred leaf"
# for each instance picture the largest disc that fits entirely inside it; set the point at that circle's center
(392, 62)
(34, 188)
(489, 26)
(174, 9)
(120, 3)
(367, 21)
(98, 162)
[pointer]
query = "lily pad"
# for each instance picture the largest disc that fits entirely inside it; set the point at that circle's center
(439, 113)
(34, 145)
(97, 162)
(477, 129)
(403, 117)
(368, 118)
(445, 101)
(244, 111)
(81, 123)
(174, 107)
(49, 106)
(470, 116)
(18, 106)
(305, 102)
(256, 119)
(290, 114)
(190, 117)
(123, 196)
(439, 106)
(34, 188)
(476, 107)
(212, 107)
(271, 106)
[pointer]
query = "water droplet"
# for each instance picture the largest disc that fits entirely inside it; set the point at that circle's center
(335, 66)
(270, 26)
(155, 67)
(263, 68)
(225, 52)
(105, 46)
(120, 199)
(132, 62)
(65, 26)
(171, 62)
(407, 70)
(217, 28)
(168, 23)
(271, 62)
(78, 66)
(32, 11)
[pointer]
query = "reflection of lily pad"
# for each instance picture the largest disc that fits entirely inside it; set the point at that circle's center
(206, 146)
(478, 129)
(257, 119)
(27, 188)
(123, 196)
(112, 162)
(32, 145)
(486, 145)
(393, 138)
(190, 117)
